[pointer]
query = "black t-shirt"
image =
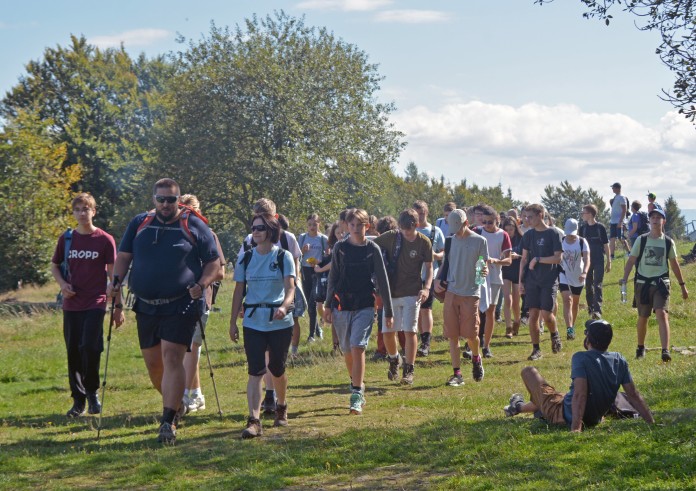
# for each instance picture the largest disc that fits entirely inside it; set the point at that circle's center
(542, 244)
(596, 237)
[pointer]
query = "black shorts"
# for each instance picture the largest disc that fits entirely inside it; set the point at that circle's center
(277, 343)
(575, 290)
(428, 304)
(541, 297)
(615, 231)
(511, 273)
(177, 329)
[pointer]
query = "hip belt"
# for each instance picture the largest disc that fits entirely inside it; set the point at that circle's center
(161, 301)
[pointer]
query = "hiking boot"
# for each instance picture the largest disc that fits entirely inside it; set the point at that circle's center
(466, 352)
(269, 405)
(486, 352)
(423, 350)
(556, 345)
(281, 415)
(379, 356)
(536, 354)
(394, 364)
(508, 332)
(407, 378)
(77, 409)
(167, 434)
(513, 409)
(570, 333)
(195, 404)
(515, 328)
(666, 357)
(477, 370)
(357, 401)
(640, 353)
(455, 381)
(93, 403)
(253, 428)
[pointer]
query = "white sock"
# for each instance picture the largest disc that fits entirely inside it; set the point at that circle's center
(193, 393)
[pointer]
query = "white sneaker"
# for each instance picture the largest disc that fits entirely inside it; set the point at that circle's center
(196, 404)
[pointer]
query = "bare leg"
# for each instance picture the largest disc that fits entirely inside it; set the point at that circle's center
(574, 310)
(490, 325)
(455, 354)
(663, 324)
(358, 368)
(549, 320)
(281, 387)
(296, 332)
(174, 376)
(155, 367)
(411, 345)
(532, 381)
(390, 343)
(567, 308)
(191, 361)
(534, 325)
(642, 330)
(425, 320)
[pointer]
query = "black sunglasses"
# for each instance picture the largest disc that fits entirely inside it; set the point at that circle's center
(166, 199)
(258, 228)
(488, 223)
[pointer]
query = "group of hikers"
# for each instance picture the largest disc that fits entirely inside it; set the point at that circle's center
(364, 270)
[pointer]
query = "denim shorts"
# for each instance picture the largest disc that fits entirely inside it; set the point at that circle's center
(353, 327)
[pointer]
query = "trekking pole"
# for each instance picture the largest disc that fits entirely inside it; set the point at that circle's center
(106, 363)
(207, 355)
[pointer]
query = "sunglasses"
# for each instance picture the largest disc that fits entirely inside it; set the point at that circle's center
(166, 199)
(490, 222)
(258, 228)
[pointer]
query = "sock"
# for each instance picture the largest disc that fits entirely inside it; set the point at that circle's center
(536, 346)
(425, 338)
(194, 393)
(641, 346)
(476, 358)
(457, 371)
(168, 415)
(270, 395)
(395, 356)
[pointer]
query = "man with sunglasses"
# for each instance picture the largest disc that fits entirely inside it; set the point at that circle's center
(173, 262)
(596, 376)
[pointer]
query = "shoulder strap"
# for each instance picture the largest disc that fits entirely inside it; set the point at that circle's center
(643, 242)
(397, 248)
(281, 262)
(284, 241)
(432, 235)
(183, 222)
(146, 222)
(448, 244)
(324, 244)
(301, 240)
(67, 242)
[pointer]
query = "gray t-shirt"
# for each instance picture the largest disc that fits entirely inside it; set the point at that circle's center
(317, 246)
(463, 254)
(617, 215)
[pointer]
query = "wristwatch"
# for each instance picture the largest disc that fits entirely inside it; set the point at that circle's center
(119, 305)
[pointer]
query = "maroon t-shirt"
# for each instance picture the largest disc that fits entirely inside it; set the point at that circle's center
(88, 257)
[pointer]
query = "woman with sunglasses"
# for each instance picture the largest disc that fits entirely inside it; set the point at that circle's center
(265, 289)
(511, 279)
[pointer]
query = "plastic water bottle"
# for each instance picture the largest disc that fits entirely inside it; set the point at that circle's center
(624, 293)
(480, 265)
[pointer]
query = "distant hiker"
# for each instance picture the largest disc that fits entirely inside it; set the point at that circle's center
(313, 246)
(652, 203)
(639, 222)
(652, 255)
(174, 258)
(596, 376)
(82, 262)
(618, 215)
(596, 236)
(575, 263)
(264, 293)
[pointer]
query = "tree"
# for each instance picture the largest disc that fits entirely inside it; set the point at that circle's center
(276, 109)
(466, 195)
(99, 103)
(35, 190)
(675, 225)
(564, 202)
(675, 20)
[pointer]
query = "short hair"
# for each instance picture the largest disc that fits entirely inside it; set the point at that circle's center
(84, 199)
(636, 205)
(283, 221)
(489, 211)
(332, 234)
(315, 217)
(264, 205)
(535, 208)
(190, 200)
(386, 224)
(342, 216)
(592, 209)
(512, 212)
(357, 214)
(271, 223)
(450, 206)
(478, 208)
(408, 219)
(420, 205)
(166, 183)
(599, 333)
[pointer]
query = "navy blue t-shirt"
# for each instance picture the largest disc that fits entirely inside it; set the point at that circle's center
(542, 244)
(166, 262)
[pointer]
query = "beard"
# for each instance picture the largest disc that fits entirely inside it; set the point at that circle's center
(165, 216)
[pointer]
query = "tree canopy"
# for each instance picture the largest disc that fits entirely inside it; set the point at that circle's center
(565, 201)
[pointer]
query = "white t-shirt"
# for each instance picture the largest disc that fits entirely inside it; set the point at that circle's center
(572, 261)
(498, 242)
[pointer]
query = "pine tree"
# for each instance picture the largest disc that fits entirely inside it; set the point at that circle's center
(675, 225)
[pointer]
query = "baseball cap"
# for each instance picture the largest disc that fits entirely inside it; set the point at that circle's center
(456, 219)
(652, 195)
(616, 185)
(571, 227)
(660, 211)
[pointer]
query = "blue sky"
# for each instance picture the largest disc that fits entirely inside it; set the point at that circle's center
(488, 90)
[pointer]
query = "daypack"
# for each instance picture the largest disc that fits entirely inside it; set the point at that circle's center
(64, 268)
(643, 223)
(246, 259)
(390, 263)
(622, 408)
(183, 222)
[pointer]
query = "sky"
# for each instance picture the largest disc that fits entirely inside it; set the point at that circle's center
(492, 91)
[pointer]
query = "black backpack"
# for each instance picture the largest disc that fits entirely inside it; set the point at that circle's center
(644, 223)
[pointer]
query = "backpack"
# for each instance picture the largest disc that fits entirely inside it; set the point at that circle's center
(64, 268)
(183, 222)
(644, 223)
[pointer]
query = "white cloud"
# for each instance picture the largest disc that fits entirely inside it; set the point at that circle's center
(411, 16)
(344, 5)
(136, 37)
(527, 147)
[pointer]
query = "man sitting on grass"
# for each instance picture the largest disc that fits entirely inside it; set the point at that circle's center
(596, 374)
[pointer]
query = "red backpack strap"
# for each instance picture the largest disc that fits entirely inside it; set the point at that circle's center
(145, 223)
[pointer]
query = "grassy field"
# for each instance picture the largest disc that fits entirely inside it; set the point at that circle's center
(425, 436)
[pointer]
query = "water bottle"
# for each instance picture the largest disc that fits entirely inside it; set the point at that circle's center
(624, 294)
(480, 265)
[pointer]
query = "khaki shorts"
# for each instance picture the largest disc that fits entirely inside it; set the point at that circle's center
(550, 402)
(461, 316)
(657, 301)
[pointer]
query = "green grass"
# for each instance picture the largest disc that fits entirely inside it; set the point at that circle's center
(426, 436)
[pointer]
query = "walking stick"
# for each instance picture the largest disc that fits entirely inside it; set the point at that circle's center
(207, 355)
(106, 363)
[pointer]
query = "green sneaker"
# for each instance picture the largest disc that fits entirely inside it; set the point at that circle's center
(357, 401)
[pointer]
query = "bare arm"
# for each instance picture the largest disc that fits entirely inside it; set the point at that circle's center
(428, 282)
(211, 273)
(607, 255)
(119, 318)
(638, 402)
(523, 263)
(579, 403)
(505, 260)
(236, 308)
(677, 272)
(629, 266)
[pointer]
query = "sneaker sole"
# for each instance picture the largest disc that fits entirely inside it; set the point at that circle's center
(406, 382)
